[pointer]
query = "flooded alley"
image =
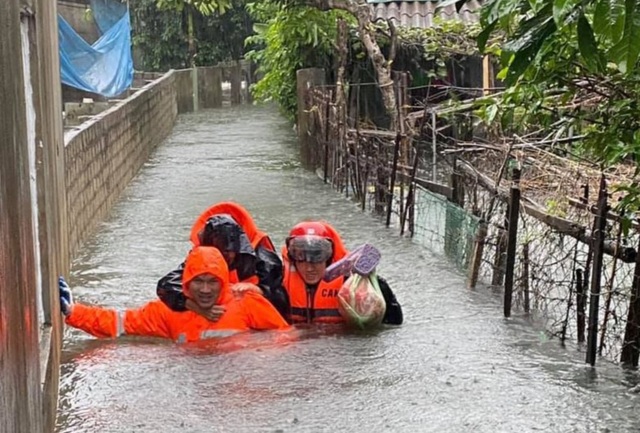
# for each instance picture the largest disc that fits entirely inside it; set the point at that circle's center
(456, 365)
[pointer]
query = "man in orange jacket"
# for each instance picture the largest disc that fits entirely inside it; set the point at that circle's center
(205, 281)
(248, 251)
(309, 249)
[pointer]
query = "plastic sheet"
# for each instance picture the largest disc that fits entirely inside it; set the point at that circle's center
(106, 67)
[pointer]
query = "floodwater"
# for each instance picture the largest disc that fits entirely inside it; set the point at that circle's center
(455, 365)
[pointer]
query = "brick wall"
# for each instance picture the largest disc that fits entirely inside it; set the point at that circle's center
(106, 152)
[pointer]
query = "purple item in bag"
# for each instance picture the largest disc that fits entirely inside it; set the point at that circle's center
(362, 261)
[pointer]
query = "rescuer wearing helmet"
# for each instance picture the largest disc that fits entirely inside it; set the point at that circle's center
(309, 249)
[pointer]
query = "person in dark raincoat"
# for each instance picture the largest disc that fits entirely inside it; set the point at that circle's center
(248, 251)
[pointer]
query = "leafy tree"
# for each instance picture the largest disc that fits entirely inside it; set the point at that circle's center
(161, 39)
(287, 39)
(571, 67)
(314, 31)
(205, 7)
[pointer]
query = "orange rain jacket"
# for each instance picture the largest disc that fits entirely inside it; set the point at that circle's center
(241, 216)
(155, 319)
(314, 305)
(260, 252)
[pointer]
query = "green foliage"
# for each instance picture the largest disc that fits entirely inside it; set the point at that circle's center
(160, 35)
(294, 37)
(205, 7)
(571, 65)
(288, 39)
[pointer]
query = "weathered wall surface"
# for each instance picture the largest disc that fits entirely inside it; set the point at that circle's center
(52, 215)
(19, 370)
(33, 248)
(210, 86)
(75, 13)
(184, 89)
(105, 153)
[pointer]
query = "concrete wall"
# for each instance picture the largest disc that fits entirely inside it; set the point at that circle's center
(184, 89)
(105, 153)
(210, 87)
(75, 13)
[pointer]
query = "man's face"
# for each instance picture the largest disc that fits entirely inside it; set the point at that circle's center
(205, 290)
(311, 273)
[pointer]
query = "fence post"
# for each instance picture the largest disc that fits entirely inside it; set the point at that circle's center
(498, 263)
(396, 152)
(631, 345)
(596, 272)
(453, 229)
(478, 249)
(306, 80)
(525, 277)
(580, 304)
(512, 240)
(327, 133)
(396, 147)
(194, 88)
(411, 193)
(236, 83)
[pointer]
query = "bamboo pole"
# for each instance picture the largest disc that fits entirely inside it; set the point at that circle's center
(609, 290)
(525, 277)
(631, 345)
(512, 240)
(598, 255)
(478, 251)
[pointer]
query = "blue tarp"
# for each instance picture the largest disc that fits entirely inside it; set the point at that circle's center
(106, 13)
(106, 67)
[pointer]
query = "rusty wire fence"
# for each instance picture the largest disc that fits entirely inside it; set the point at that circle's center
(457, 201)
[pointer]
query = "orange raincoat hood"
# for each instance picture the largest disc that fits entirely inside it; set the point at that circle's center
(339, 250)
(207, 260)
(241, 216)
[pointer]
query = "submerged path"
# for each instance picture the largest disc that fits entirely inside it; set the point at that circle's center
(454, 366)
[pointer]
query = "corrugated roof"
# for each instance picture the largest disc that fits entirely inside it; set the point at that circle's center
(421, 13)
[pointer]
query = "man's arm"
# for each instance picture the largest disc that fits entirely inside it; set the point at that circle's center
(393, 315)
(261, 314)
(150, 321)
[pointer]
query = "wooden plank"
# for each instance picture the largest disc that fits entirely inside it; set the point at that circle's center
(434, 187)
(381, 133)
(579, 204)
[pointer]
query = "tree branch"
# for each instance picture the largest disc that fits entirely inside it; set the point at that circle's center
(394, 40)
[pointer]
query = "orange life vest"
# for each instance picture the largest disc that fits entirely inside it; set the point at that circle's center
(321, 306)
